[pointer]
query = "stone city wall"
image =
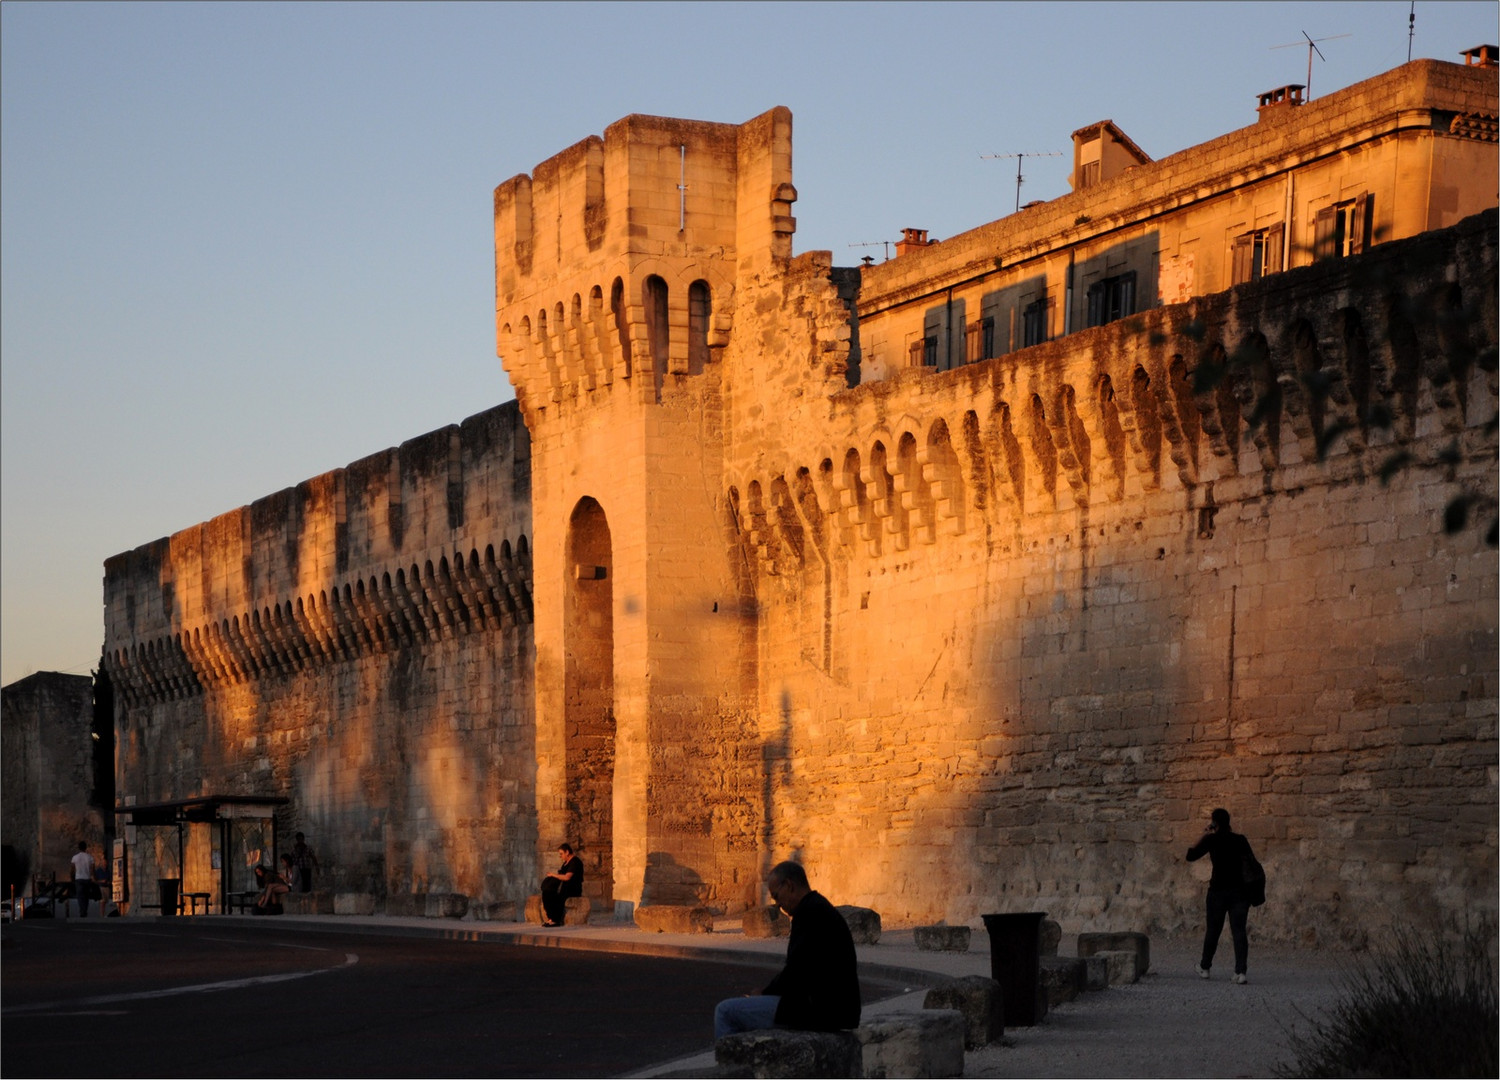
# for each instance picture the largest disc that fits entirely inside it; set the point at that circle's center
(1022, 625)
(48, 786)
(361, 644)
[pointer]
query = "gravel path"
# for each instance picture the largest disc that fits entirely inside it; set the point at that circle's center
(1172, 1023)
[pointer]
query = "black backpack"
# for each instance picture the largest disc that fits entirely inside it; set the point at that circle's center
(1253, 874)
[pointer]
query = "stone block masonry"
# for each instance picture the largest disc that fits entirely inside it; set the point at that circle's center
(791, 560)
(361, 644)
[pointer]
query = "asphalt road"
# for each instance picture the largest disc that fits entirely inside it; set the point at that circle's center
(192, 997)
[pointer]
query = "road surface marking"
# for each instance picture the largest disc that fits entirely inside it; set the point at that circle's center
(350, 959)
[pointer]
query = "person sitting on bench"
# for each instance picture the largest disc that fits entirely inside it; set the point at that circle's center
(273, 887)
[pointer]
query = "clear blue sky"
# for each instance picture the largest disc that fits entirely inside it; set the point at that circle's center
(245, 244)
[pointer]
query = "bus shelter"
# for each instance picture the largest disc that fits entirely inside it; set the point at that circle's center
(184, 856)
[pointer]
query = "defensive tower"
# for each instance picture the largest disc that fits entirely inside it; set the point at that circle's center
(617, 266)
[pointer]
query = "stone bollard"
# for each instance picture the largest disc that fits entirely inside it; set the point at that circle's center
(1089, 944)
(778, 1052)
(942, 938)
(1051, 937)
(353, 903)
(864, 924)
(1122, 966)
(576, 910)
(317, 902)
(674, 919)
(765, 922)
(928, 1043)
(406, 905)
(495, 911)
(1062, 978)
(978, 999)
(445, 906)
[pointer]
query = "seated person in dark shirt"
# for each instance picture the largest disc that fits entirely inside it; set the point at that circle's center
(566, 881)
(818, 989)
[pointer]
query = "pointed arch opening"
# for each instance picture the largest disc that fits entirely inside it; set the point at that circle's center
(589, 740)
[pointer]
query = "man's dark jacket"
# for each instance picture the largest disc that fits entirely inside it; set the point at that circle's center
(819, 986)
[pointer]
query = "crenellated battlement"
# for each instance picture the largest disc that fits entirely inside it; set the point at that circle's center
(617, 260)
(415, 543)
(1318, 376)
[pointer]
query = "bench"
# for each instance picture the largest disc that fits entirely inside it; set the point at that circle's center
(193, 899)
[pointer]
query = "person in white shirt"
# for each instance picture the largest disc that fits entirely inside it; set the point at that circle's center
(83, 878)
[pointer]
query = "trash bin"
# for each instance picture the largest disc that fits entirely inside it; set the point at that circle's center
(1015, 963)
(169, 889)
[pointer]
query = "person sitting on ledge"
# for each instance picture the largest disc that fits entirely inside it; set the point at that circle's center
(566, 881)
(818, 989)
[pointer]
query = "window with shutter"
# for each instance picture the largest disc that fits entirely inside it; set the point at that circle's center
(1111, 299)
(1343, 229)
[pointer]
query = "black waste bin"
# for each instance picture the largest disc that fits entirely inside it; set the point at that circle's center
(1016, 964)
(169, 889)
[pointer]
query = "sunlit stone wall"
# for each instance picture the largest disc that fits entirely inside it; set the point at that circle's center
(1024, 624)
(360, 644)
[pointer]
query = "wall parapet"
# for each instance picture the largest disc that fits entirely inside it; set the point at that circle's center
(1338, 366)
(415, 543)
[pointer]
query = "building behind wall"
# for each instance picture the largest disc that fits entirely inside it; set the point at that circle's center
(974, 579)
(53, 772)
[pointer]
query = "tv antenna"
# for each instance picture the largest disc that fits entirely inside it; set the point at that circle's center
(1312, 47)
(1019, 158)
(877, 243)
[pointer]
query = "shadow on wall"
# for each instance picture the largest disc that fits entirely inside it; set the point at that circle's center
(775, 780)
(669, 882)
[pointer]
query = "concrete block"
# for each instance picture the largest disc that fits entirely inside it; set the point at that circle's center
(777, 1053)
(765, 922)
(864, 924)
(353, 903)
(674, 919)
(942, 938)
(535, 913)
(317, 902)
(446, 906)
(926, 1043)
(1121, 964)
(1051, 937)
(1089, 944)
(979, 999)
(1095, 972)
(1062, 977)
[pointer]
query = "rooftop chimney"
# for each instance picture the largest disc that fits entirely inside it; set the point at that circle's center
(1283, 97)
(1486, 56)
(911, 239)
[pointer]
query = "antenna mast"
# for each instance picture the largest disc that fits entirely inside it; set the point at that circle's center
(1312, 47)
(877, 243)
(1411, 29)
(1019, 158)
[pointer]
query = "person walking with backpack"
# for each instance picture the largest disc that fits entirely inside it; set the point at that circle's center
(1237, 883)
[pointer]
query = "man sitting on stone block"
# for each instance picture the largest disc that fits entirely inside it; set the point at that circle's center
(564, 882)
(818, 989)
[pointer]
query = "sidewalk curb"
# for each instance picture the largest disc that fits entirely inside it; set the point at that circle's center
(876, 971)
